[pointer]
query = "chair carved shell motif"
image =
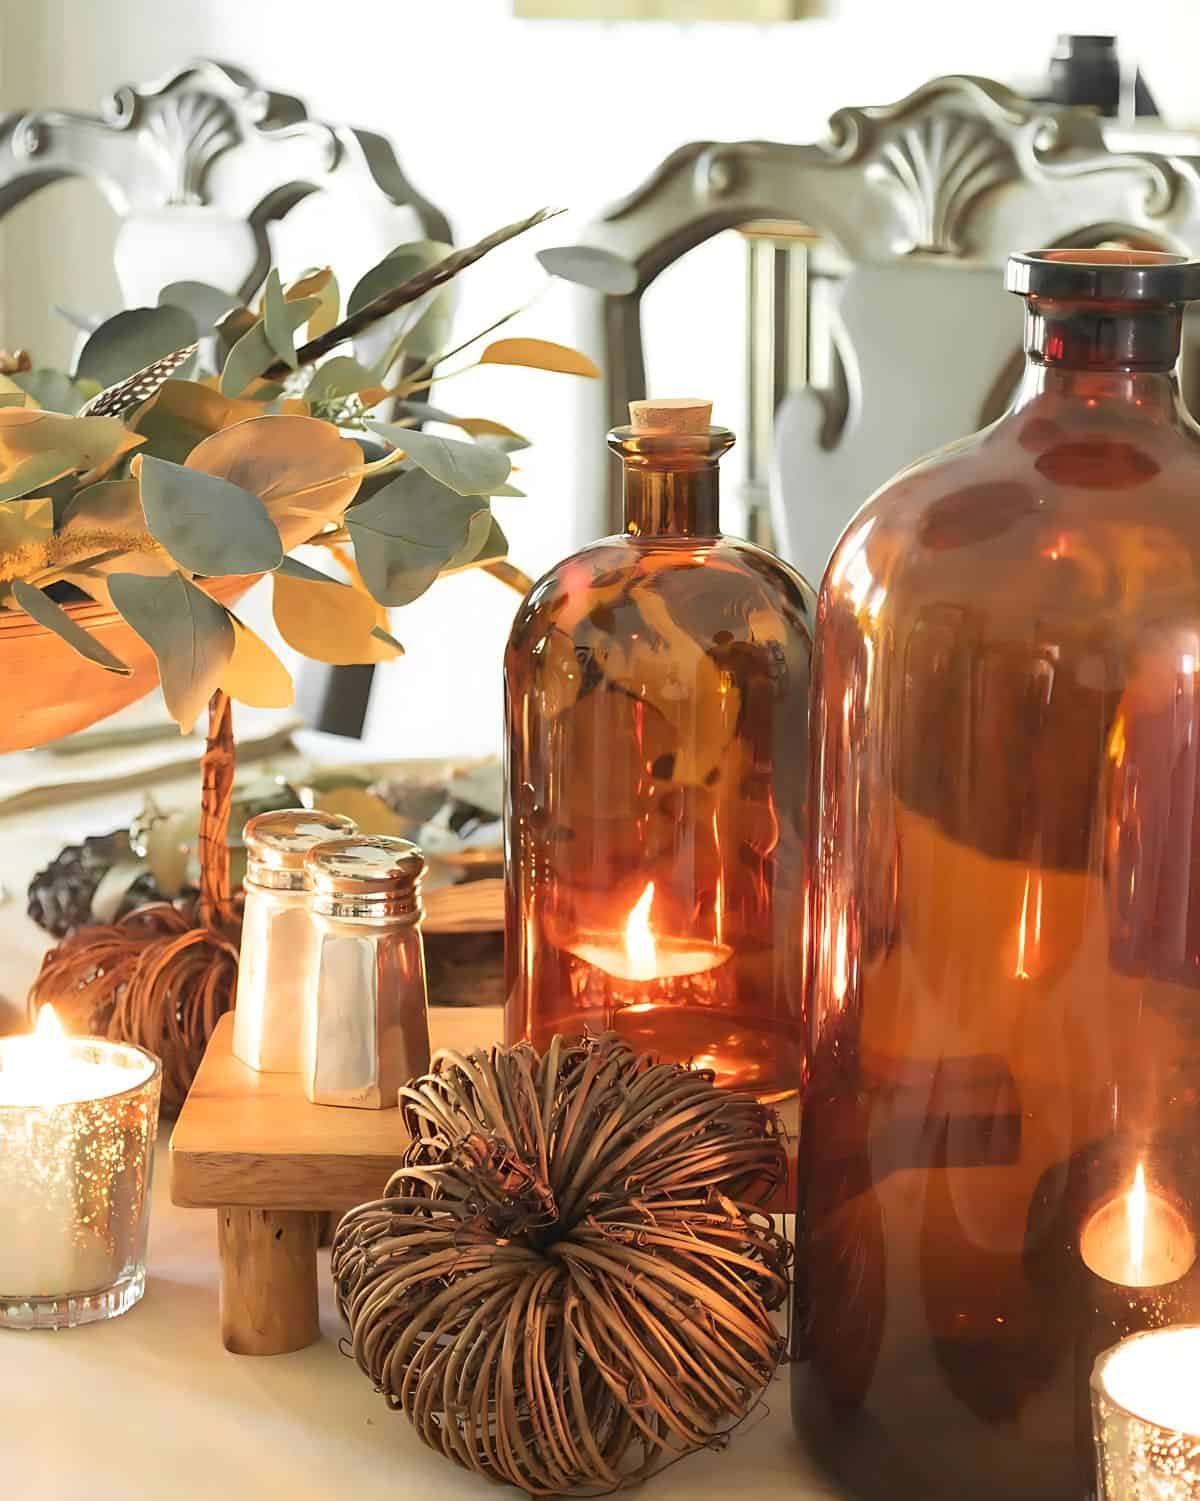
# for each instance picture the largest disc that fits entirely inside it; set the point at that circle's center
(208, 152)
(904, 215)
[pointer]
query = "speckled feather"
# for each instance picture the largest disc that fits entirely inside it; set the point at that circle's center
(138, 386)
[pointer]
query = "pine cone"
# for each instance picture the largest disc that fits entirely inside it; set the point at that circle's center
(60, 897)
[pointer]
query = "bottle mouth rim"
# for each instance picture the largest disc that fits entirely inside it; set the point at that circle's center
(1104, 275)
(658, 448)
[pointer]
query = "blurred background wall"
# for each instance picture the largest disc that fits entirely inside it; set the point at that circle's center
(492, 116)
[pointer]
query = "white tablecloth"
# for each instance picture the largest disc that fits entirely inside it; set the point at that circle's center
(150, 1407)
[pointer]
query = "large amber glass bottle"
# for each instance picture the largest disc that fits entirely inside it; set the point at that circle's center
(657, 703)
(1000, 1160)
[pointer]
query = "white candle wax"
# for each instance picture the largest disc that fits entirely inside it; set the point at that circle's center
(1156, 1376)
(25, 1080)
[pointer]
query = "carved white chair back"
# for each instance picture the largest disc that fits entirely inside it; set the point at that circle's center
(917, 205)
(213, 177)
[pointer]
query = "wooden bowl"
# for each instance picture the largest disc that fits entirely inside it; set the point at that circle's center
(49, 691)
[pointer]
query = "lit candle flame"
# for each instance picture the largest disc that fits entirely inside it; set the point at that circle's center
(37, 1064)
(639, 938)
(49, 1030)
(1135, 1221)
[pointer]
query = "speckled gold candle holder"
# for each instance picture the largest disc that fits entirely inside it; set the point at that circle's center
(1146, 1417)
(75, 1186)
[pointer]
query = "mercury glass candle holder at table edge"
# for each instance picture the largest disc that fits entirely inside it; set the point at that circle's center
(76, 1165)
(1140, 1456)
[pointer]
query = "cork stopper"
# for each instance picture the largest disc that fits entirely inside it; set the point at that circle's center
(673, 414)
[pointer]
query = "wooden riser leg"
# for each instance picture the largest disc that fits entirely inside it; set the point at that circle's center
(268, 1280)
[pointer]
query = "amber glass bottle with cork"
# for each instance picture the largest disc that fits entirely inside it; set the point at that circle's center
(656, 700)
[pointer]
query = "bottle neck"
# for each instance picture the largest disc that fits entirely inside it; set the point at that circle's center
(1093, 351)
(672, 502)
(671, 482)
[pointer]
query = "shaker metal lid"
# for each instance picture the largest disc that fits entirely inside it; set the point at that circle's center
(280, 839)
(1107, 275)
(364, 864)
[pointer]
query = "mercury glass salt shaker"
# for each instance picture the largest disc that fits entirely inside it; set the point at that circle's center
(366, 1029)
(277, 936)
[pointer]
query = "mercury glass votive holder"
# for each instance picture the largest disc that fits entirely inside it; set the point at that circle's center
(75, 1174)
(1146, 1417)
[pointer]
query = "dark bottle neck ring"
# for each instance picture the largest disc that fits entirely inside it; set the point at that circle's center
(1102, 335)
(1104, 309)
(672, 484)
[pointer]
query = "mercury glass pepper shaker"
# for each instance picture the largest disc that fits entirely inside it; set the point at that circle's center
(277, 936)
(366, 1029)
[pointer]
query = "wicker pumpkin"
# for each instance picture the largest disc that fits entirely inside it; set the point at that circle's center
(570, 1282)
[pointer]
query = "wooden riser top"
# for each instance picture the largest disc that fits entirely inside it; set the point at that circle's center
(245, 1138)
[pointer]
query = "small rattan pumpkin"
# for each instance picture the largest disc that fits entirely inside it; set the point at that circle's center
(570, 1281)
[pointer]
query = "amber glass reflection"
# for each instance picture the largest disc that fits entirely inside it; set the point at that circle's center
(657, 702)
(1005, 1012)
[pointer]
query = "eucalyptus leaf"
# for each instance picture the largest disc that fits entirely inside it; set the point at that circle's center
(511, 443)
(182, 413)
(207, 524)
(25, 521)
(253, 352)
(326, 316)
(484, 430)
(494, 547)
(280, 331)
(481, 428)
(397, 267)
(379, 634)
(429, 332)
(106, 506)
(37, 448)
(466, 468)
(255, 675)
(293, 568)
(406, 534)
(12, 398)
(190, 634)
(52, 390)
(589, 266)
(301, 468)
(338, 626)
(340, 376)
(540, 354)
(478, 532)
(509, 492)
(132, 340)
(37, 603)
(60, 492)
(207, 305)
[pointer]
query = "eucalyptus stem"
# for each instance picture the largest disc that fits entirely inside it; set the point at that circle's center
(409, 291)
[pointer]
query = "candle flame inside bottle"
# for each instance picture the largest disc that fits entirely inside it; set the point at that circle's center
(1135, 1220)
(639, 938)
